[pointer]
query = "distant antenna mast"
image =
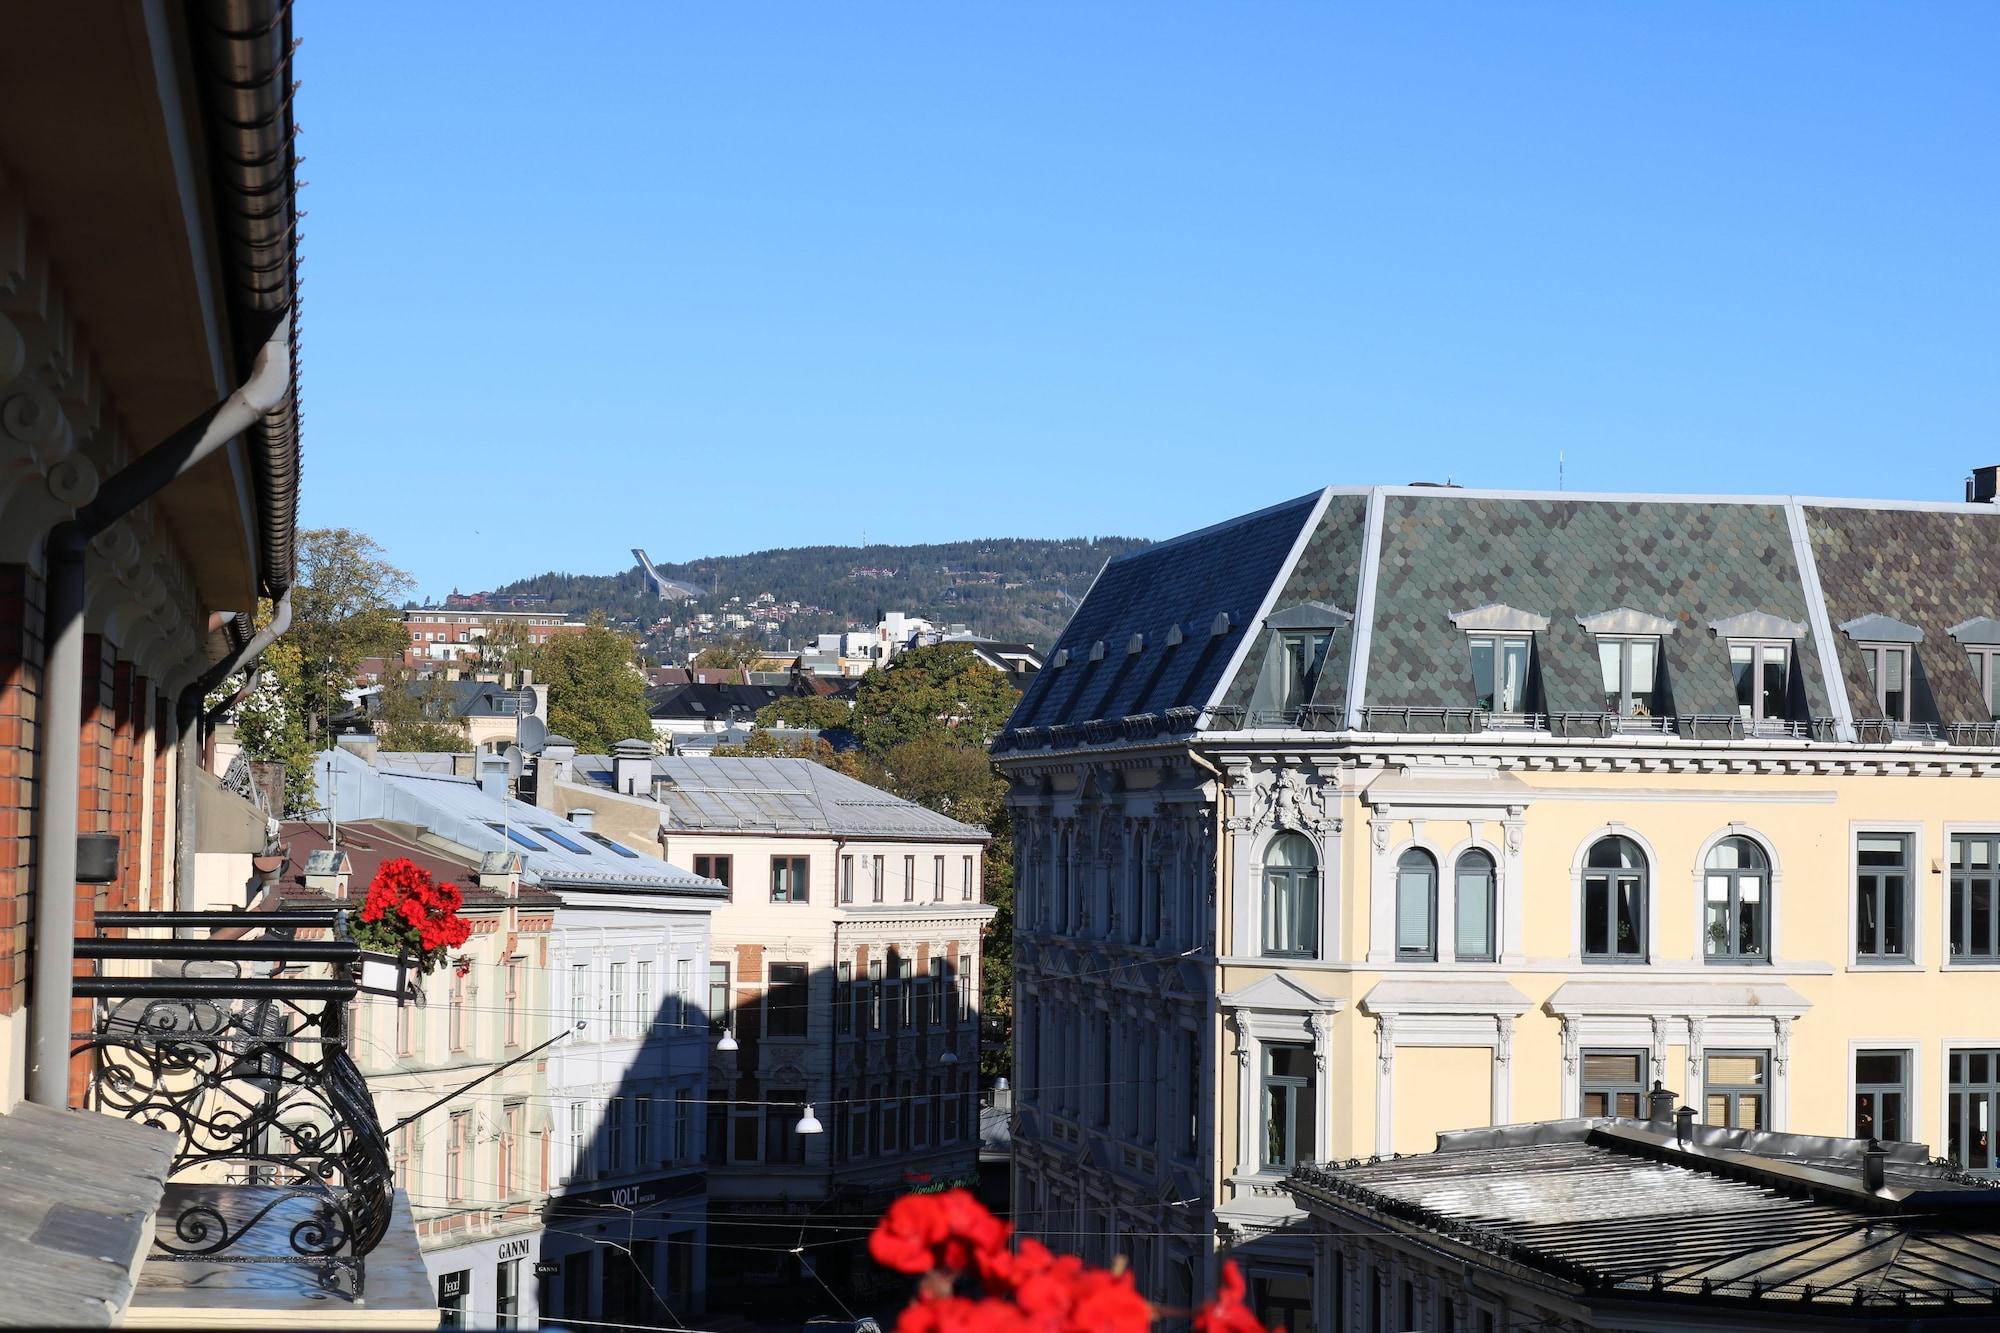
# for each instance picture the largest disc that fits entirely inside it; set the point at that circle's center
(1559, 469)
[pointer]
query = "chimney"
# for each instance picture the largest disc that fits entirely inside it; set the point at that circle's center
(1982, 485)
(1660, 1105)
(553, 766)
(500, 872)
(582, 818)
(632, 768)
(327, 872)
(1874, 1166)
(493, 775)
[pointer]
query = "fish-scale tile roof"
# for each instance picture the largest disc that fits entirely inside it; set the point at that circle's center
(1930, 568)
(1328, 571)
(1689, 562)
(1176, 589)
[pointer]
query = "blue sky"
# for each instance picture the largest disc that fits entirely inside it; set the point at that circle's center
(713, 277)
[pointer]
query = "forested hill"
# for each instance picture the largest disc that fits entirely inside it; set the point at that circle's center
(1006, 588)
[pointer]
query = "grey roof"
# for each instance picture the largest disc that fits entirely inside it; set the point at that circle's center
(1167, 598)
(1413, 566)
(553, 853)
(709, 702)
(1621, 1211)
(782, 796)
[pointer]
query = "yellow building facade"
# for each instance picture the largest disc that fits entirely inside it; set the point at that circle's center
(1385, 813)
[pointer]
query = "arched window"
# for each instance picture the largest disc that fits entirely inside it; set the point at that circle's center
(1736, 898)
(1473, 882)
(1416, 905)
(1614, 902)
(1291, 898)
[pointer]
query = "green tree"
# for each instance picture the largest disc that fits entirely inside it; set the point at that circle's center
(596, 696)
(941, 774)
(419, 714)
(343, 610)
(269, 722)
(732, 654)
(939, 689)
(811, 711)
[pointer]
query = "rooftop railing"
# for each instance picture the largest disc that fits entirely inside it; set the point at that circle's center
(239, 1047)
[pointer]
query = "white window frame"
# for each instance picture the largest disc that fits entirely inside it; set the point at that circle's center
(1499, 639)
(1254, 1027)
(1919, 892)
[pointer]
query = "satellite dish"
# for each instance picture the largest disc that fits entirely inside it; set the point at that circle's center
(531, 734)
(513, 756)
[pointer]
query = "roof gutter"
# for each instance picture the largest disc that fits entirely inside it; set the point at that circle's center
(62, 688)
(243, 50)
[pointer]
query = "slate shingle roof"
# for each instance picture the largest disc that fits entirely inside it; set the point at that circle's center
(1691, 560)
(1328, 571)
(1930, 568)
(1187, 582)
(1690, 563)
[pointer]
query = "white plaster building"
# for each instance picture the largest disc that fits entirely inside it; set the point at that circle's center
(845, 969)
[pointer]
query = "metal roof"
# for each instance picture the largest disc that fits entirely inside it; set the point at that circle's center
(1620, 1210)
(554, 852)
(780, 796)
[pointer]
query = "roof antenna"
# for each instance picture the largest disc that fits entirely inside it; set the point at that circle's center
(1559, 469)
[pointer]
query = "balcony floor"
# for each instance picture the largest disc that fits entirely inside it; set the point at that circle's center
(245, 1293)
(78, 1194)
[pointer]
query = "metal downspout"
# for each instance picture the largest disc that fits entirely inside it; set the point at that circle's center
(62, 697)
(191, 727)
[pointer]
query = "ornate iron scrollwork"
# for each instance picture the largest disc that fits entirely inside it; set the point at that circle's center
(281, 1158)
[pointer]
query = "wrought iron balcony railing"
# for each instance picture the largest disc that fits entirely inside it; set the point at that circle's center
(239, 1047)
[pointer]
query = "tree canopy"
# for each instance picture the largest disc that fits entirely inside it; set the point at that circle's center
(810, 711)
(732, 654)
(343, 610)
(938, 689)
(419, 715)
(596, 696)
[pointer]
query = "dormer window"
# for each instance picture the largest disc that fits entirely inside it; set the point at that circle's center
(1629, 670)
(1980, 637)
(1500, 665)
(1763, 672)
(1761, 657)
(1628, 660)
(1300, 658)
(1301, 641)
(1501, 640)
(1889, 672)
(1888, 649)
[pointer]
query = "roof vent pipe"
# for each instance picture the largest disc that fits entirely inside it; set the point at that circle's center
(1874, 1166)
(1660, 1105)
(493, 776)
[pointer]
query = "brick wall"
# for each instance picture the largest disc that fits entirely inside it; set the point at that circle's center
(20, 692)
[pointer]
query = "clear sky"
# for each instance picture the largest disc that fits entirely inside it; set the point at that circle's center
(714, 277)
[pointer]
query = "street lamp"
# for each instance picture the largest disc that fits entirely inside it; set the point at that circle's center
(728, 1042)
(809, 1123)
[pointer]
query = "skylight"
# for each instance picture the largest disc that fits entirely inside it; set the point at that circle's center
(560, 841)
(515, 835)
(603, 841)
